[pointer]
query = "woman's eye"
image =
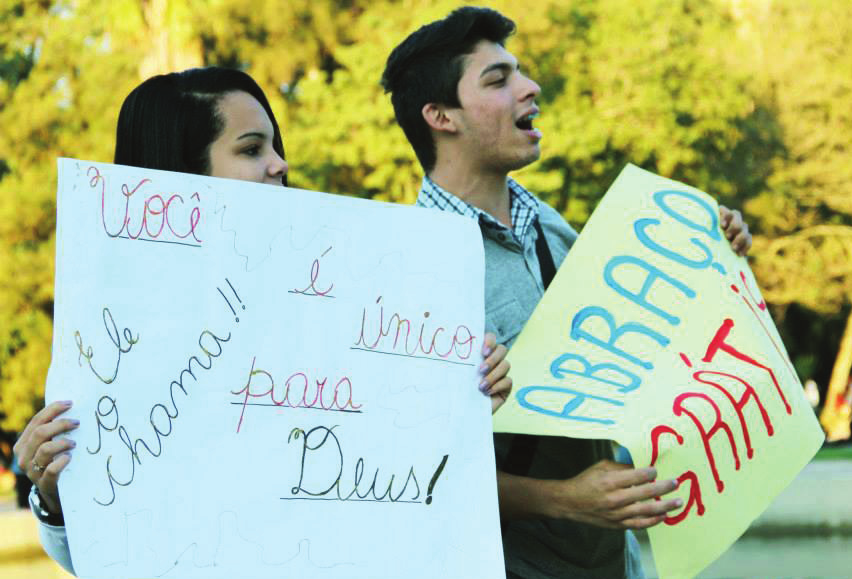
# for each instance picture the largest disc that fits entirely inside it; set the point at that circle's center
(252, 151)
(498, 82)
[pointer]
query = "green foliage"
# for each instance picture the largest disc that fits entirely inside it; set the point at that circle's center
(804, 212)
(636, 85)
(835, 453)
(748, 99)
(61, 72)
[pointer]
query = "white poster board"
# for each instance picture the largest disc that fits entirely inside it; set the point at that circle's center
(270, 382)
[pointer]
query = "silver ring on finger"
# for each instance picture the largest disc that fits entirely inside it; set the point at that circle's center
(37, 467)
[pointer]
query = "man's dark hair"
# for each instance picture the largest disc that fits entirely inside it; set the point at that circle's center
(427, 66)
(170, 120)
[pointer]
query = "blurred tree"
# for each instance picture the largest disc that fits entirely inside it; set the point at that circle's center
(629, 82)
(43, 102)
(804, 215)
(64, 68)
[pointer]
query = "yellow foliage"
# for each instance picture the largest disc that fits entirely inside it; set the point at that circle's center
(749, 100)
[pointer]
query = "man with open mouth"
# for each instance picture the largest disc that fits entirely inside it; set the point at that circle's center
(469, 113)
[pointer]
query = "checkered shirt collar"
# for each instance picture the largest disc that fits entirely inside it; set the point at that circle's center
(524, 206)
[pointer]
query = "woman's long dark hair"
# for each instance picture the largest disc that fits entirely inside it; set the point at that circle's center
(169, 121)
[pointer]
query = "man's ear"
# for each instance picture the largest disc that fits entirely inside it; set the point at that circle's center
(437, 118)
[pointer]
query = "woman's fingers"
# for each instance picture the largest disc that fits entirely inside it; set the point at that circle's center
(38, 446)
(495, 380)
(32, 437)
(48, 452)
(48, 483)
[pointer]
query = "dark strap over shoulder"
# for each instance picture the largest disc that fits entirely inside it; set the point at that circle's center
(545, 258)
(521, 452)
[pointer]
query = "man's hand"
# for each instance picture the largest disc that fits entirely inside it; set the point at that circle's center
(607, 494)
(736, 230)
(617, 496)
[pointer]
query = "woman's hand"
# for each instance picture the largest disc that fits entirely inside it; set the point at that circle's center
(42, 455)
(494, 370)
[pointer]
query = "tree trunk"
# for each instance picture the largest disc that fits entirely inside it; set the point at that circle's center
(174, 46)
(835, 410)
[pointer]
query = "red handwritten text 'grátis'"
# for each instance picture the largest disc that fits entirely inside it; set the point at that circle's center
(697, 406)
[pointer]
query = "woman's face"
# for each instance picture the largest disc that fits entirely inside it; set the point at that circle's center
(244, 149)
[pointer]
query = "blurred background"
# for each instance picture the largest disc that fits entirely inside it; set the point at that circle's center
(749, 100)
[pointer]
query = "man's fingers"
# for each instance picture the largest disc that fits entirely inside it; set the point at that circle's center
(645, 513)
(734, 228)
(622, 476)
(651, 509)
(737, 224)
(725, 216)
(741, 244)
(731, 233)
(619, 496)
(731, 221)
(643, 522)
(638, 494)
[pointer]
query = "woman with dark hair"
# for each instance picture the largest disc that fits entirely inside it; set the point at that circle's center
(206, 121)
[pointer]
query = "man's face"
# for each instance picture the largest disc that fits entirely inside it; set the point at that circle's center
(498, 107)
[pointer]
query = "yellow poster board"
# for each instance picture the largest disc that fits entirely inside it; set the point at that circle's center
(654, 334)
